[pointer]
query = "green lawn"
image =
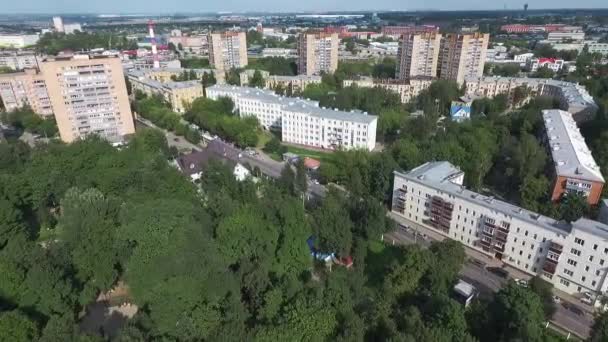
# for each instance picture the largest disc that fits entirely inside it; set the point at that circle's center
(318, 155)
(263, 138)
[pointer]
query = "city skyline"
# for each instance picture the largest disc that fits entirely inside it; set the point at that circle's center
(240, 6)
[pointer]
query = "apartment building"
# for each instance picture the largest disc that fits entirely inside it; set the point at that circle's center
(18, 40)
(573, 97)
(294, 84)
(89, 96)
(302, 121)
(462, 56)
(317, 53)
(418, 55)
(575, 170)
(398, 31)
(407, 89)
(570, 256)
(178, 94)
(18, 60)
(227, 50)
(27, 88)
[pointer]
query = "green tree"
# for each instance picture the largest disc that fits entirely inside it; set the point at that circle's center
(88, 230)
(573, 207)
(16, 326)
(257, 80)
(287, 180)
(599, 330)
(544, 290)
(332, 230)
(301, 178)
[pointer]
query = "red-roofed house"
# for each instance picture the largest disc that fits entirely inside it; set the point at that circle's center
(552, 63)
(311, 164)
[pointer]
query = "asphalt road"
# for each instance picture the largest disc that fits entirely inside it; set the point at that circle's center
(267, 166)
(569, 316)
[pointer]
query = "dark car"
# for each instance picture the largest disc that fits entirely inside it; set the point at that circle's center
(501, 272)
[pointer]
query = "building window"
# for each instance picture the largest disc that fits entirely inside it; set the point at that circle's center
(572, 262)
(591, 258)
(575, 252)
(564, 282)
(579, 241)
(583, 278)
(587, 268)
(568, 272)
(595, 247)
(593, 283)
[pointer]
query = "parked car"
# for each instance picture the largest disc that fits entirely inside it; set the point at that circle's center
(521, 282)
(556, 299)
(477, 263)
(498, 271)
(587, 300)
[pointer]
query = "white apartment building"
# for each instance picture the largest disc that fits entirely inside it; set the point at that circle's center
(295, 84)
(302, 121)
(18, 60)
(573, 97)
(418, 55)
(279, 52)
(560, 36)
(407, 89)
(595, 47)
(58, 24)
(573, 257)
(553, 64)
(523, 58)
(227, 50)
(18, 40)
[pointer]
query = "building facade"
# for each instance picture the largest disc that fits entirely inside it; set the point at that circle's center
(462, 56)
(18, 40)
(574, 169)
(570, 256)
(418, 55)
(291, 84)
(317, 53)
(89, 96)
(179, 95)
(573, 97)
(227, 50)
(301, 121)
(27, 88)
(407, 89)
(18, 60)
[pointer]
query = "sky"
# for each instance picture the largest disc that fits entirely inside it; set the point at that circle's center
(183, 6)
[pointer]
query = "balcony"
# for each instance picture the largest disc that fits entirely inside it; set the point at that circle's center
(501, 236)
(556, 248)
(549, 267)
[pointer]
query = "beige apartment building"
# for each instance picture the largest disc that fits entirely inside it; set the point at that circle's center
(26, 88)
(462, 56)
(317, 53)
(407, 89)
(89, 96)
(418, 55)
(179, 95)
(228, 50)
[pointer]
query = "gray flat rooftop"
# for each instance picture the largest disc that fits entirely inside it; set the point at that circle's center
(437, 175)
(571, 156)
(295, 104)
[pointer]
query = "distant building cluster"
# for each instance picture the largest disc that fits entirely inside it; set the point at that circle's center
(301, 121)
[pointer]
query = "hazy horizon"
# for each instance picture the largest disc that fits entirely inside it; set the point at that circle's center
(272, 6)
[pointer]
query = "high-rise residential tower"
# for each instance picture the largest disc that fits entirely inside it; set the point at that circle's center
(462, 56)
(89, 96)
(317, 53)
(418, 55)
(228, 50)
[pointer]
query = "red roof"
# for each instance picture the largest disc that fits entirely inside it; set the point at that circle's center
(311, 164)
(547, 60)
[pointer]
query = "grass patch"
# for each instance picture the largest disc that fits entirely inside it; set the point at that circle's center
(263, 138)
(379, 257)
(318, 155)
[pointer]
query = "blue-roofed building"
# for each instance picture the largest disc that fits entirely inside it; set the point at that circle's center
(460, 111)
